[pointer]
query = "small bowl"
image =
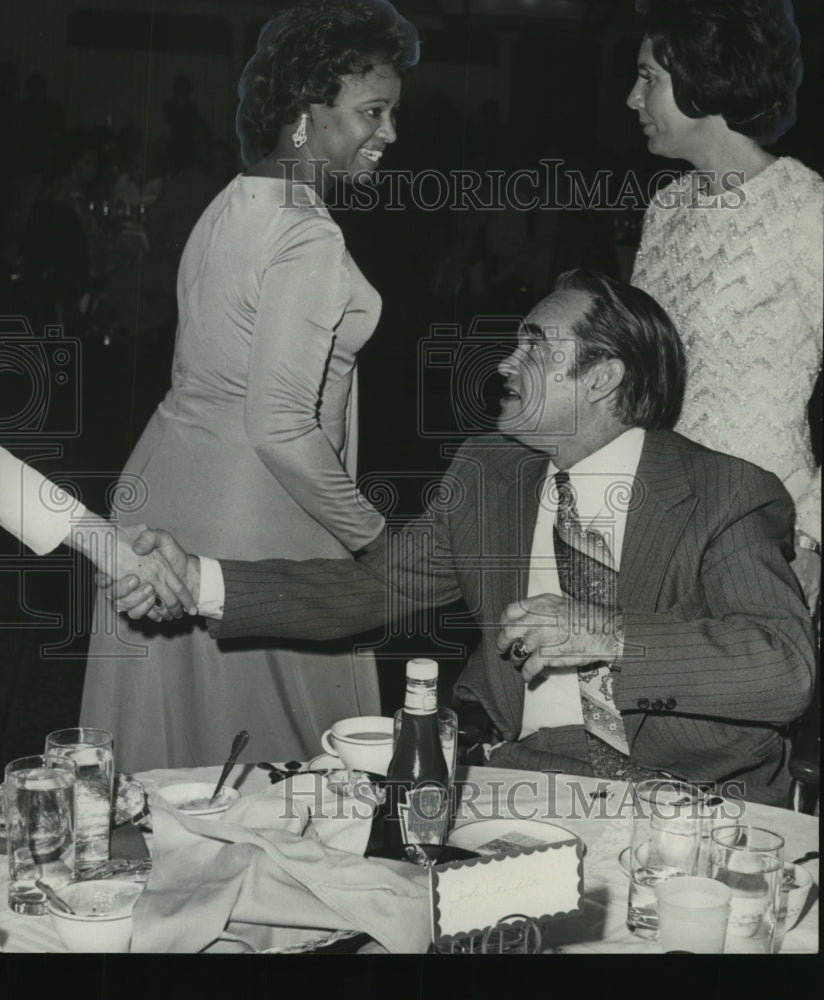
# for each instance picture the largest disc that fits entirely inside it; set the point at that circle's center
(794, 891)
(102, 918)
(193, 798)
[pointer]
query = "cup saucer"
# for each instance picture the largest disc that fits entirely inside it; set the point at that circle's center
(325, 762)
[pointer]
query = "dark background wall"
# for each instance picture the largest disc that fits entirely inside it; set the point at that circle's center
(553, 64)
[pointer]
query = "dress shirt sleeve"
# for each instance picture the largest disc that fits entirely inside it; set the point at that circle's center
(291, 364)
(32, 508)
(212, 589)
(738, 644)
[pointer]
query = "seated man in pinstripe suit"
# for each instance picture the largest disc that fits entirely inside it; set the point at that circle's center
(637, 608)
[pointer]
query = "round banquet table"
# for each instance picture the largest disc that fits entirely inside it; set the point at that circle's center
(596, 811)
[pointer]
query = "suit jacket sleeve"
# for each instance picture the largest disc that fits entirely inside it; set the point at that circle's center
(405, 569)
(737, 643)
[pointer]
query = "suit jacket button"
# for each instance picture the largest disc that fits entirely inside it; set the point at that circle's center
(657, 705)
(670, 704)
(643, 703)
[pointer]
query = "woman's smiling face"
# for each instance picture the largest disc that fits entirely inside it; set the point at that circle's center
(350, 137)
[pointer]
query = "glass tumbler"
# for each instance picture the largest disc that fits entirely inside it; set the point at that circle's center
(750, 861)
(40, 824)
(665, 842)
(91, 750)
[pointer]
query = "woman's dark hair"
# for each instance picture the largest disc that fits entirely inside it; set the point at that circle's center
(624, 322)
(740, 59)
(301, 56)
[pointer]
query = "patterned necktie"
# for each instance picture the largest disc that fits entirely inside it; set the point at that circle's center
(587, 573)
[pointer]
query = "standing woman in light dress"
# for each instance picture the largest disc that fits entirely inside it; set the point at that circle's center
(252, 452)
(733, 249)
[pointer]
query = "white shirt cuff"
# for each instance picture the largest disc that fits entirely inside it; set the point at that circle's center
(212, 589)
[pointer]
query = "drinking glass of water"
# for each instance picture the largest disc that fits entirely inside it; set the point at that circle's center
(40, 812)
(666, 838)
(750, 861)
(91, 750)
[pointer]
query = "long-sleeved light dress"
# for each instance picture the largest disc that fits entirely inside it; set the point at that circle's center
(251, 454)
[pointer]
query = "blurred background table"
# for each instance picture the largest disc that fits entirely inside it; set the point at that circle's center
(598, 812)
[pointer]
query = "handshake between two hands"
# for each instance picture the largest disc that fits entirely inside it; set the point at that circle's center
(150, 575)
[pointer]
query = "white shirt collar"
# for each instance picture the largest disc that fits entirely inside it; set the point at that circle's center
(621, 455)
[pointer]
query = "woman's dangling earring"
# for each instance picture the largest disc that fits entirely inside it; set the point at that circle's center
(299, 135)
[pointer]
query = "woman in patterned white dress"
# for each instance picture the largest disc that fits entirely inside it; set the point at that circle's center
(733, 249)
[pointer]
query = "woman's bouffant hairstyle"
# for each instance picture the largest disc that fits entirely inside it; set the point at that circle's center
(624, 322)
(301, 56)
(740, 59)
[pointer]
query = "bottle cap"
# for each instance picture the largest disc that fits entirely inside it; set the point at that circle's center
(422, 670)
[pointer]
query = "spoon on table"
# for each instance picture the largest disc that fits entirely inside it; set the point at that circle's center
(238, 745)
(57, 901)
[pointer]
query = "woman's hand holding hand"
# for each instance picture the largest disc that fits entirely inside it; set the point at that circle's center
(152, 576)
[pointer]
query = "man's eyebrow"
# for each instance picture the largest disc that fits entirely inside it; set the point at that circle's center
(533, 329)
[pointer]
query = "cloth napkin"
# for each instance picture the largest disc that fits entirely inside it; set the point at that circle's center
(277, 869)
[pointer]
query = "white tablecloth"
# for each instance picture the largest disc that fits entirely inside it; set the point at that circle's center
(601, 822)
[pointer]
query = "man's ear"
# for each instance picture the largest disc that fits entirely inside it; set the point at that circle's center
(604, 378)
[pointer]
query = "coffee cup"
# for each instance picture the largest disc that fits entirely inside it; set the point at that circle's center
(362, 743)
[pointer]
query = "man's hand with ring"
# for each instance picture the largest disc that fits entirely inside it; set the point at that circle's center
(518, 652)
(548, 631)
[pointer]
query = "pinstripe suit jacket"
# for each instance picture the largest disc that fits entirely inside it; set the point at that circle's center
(718, 644)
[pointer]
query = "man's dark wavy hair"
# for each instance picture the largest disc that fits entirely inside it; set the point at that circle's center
(301, 56)
(740, 59)
(624, 322)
